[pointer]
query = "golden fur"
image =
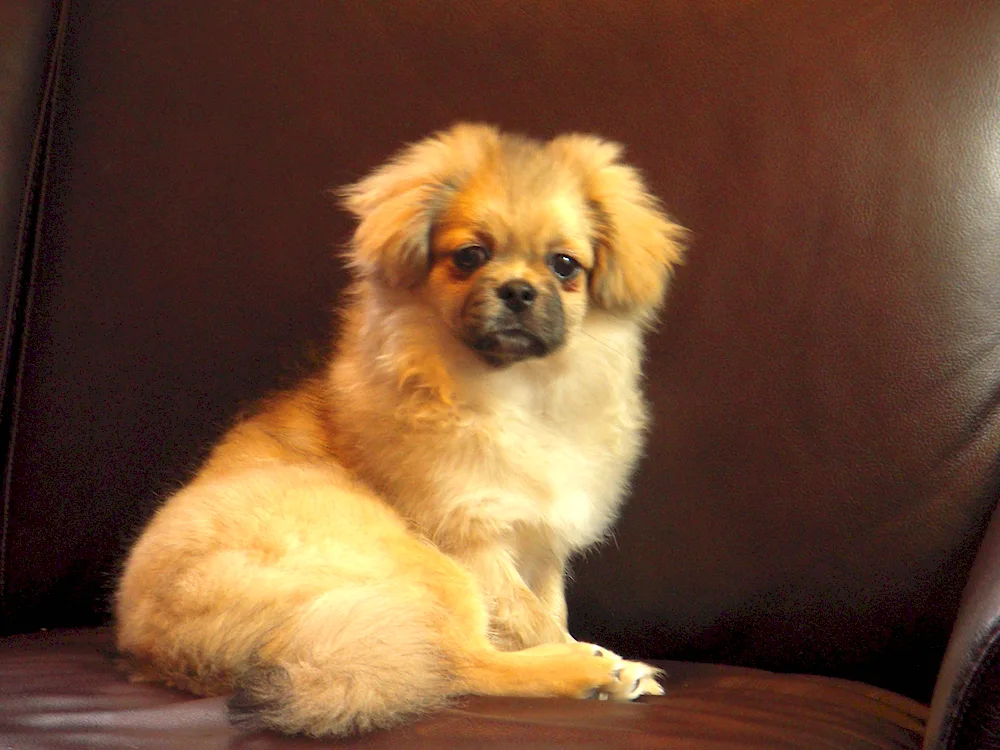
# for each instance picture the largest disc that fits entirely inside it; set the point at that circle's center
(395, 532)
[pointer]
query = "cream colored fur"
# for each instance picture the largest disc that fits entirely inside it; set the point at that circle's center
(396, 531)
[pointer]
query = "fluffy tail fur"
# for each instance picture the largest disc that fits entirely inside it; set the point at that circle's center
(327, 623)
(354, 661)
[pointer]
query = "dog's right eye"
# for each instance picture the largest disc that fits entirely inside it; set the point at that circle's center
(469, 258)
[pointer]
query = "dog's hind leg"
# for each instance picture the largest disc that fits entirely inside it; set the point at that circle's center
(571, 670)
(317, 646)
(365, 658)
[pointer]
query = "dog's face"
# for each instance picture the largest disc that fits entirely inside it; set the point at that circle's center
(510, 251)
(512, 241)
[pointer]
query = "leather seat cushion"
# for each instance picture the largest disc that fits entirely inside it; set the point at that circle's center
(62, 689)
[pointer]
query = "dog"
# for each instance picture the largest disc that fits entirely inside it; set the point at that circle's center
(394, 533)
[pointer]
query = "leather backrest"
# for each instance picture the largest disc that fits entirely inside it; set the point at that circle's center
(31, 33)
(825, 378)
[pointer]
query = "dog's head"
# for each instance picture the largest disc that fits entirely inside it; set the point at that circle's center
(513, 240)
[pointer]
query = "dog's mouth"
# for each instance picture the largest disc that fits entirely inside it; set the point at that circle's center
(505, 347)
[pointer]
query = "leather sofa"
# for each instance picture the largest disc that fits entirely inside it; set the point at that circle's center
(808, 548)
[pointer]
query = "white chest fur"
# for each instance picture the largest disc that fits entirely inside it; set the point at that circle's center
(545, 446)
(551, 443)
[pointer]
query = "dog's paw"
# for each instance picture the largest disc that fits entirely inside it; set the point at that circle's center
(591, 672)
(628, 679)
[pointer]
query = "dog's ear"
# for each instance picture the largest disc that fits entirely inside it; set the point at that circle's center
(637, 245)
(396, 204)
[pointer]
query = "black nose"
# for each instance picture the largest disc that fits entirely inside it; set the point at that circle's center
(517, 294)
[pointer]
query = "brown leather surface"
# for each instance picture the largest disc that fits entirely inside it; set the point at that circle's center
(26, 29)
(29, 57)
(824, 383)
(965, 713)
(61, 690)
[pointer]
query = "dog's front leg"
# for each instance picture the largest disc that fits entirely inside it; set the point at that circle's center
(550, 588)
(519, 617)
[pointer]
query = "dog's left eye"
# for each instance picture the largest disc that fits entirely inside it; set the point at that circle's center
(470, 257)
(564, 266)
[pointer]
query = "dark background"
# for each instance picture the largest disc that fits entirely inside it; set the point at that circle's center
(824, 381)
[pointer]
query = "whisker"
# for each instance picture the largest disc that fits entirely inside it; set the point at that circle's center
(605, 343)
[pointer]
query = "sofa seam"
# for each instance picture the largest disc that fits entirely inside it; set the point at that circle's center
(23, 274)
(987, 656)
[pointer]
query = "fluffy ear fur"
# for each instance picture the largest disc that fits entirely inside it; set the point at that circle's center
(637, 244)
(395, 205)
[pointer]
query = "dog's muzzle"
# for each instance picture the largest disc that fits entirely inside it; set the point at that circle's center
(506, 347)
(512, 322)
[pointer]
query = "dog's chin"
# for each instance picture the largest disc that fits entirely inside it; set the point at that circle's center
(507, 347)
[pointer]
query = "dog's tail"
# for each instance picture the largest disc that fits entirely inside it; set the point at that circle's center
(353, 660)
(364, 655)
(329, 642)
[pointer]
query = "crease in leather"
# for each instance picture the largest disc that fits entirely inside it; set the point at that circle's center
(21, 277)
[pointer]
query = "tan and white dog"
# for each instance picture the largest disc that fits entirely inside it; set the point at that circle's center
(395, 532)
